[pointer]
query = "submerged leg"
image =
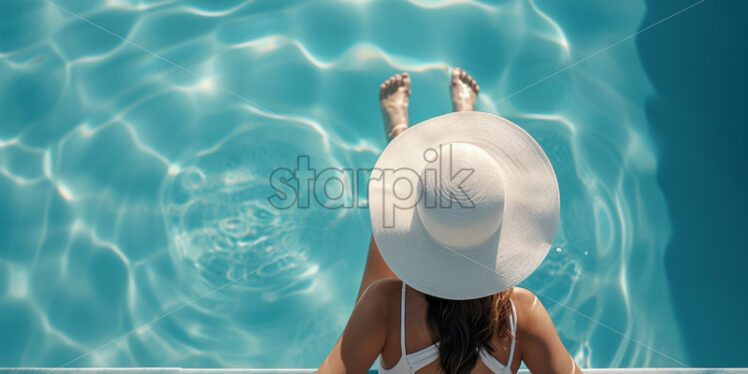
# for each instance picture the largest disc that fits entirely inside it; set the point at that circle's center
(394, 95)
(375, 270)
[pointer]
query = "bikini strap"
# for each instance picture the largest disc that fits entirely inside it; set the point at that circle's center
(416, 360)
(402, 324)
(513, 320)
(491, 362)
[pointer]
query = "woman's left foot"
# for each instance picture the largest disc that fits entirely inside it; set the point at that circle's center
(394, 95)
(464, 90)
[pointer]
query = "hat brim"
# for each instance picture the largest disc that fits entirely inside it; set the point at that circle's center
(530, 216)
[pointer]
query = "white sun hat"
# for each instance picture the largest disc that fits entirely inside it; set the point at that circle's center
(464, 205)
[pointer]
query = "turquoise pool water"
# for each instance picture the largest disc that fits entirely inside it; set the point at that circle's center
(137, 139)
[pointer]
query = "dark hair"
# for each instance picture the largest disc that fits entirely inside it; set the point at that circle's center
(464, 327)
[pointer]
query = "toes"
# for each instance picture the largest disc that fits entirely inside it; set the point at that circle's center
(461, 76)
(399, 82)
(470, 81)
(393, 83)
(384, 88)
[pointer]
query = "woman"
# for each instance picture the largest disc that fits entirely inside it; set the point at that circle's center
(477, 215)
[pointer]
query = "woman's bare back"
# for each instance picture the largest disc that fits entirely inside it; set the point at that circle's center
(418, 333)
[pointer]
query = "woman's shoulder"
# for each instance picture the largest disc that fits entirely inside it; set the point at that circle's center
(381, 299)
(522, 297)
(526, 304)
(383, 291)
(539, 345)
(532, 317)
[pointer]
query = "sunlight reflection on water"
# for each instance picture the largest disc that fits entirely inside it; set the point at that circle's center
(131, 187)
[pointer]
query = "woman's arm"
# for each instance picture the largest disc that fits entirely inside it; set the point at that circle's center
(540, 346)
(375, 269)
(365, 334)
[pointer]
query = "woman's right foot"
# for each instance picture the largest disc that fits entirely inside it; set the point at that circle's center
(394, 95)
(464, 90)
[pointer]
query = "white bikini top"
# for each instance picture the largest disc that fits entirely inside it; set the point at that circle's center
(410, 363)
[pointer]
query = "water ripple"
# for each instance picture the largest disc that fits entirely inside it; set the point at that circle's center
(136, 221)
